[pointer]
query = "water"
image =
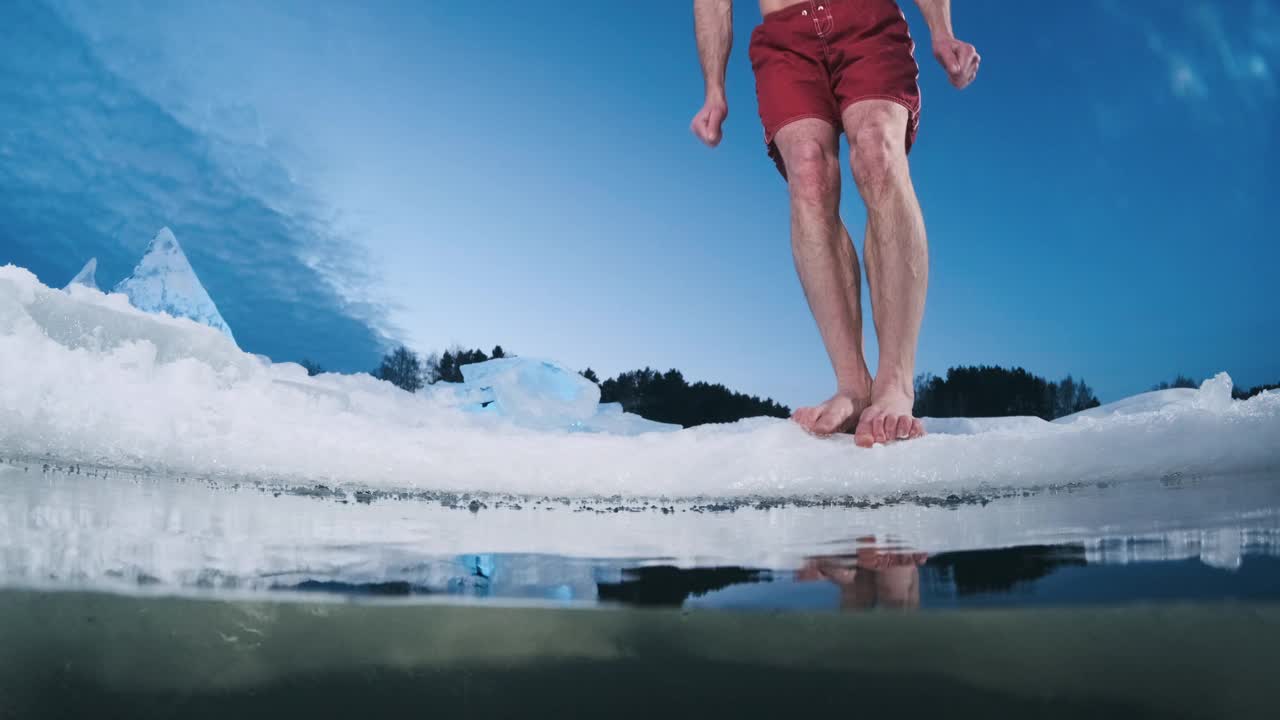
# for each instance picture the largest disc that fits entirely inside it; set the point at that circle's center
(126, 594)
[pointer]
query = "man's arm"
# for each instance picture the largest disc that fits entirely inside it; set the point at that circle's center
(959, 59)
(713, 26)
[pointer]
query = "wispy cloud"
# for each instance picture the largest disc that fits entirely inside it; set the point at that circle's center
(1185, 81)
(1211, 53)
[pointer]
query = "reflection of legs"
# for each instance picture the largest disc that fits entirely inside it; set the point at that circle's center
(827, 266)
(870, 578)
(898, 587)
(897, 256)
(859, 594)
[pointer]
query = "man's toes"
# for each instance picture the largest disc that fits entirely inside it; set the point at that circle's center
(903, 429)
(878, 428)
(917, 428)
(836, 419)
(823, 422)
(804, 417)
(827, 424)
(891, 427)
(864, 436)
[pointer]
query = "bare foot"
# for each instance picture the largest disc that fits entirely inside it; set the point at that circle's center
(887, 418)
(833, 416)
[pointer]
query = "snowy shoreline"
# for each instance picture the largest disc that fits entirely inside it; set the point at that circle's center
(91, 380)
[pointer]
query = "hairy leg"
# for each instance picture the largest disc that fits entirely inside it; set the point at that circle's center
(897, 256)
(828, 268)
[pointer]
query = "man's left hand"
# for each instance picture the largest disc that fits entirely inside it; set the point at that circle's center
(959, 59)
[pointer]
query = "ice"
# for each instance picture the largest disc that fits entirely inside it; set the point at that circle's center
(537, 392)
(1220, 547)
(86, 276)
(89, 379)
(164, 282)
(541, 394)
(610, 418)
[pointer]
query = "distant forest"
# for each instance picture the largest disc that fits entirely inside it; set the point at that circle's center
(976, 391)
(668, 397)
(987, 391)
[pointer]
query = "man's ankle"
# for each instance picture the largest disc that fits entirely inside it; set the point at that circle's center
(855, 386)
(895, 383)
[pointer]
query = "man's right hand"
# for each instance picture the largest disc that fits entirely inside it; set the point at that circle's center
(707, 123)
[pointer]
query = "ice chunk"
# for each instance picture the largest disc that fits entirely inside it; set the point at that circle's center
(1215, 393)
(608, 409)
(86, 276)
(609, 418)
(543, 395)
(165, 282)
(534, 393)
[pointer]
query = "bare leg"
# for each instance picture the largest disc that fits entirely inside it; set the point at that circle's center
(828, 269)
(897, 256)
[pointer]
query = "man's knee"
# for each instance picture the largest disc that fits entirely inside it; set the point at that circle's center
(878, 153)
(813, 174)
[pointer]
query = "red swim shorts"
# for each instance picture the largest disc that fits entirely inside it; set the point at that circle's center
(815, 58)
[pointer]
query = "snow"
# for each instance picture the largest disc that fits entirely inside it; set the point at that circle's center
(86, 276)
(165, 282)
(89, 379)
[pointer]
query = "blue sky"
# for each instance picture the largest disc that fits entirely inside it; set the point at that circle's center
(1101, 202)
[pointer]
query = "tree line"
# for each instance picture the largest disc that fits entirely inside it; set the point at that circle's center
(669, 398)
(989, 391)
(970, 391)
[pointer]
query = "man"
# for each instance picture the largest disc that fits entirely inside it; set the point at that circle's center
(823, 66)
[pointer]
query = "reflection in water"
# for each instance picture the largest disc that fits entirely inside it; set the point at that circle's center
(666, 586)
(1207, 540)
(893, 577)
(871, 577)
(1000, 570)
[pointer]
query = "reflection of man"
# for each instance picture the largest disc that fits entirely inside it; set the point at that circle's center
(870, 578)
(824, 67)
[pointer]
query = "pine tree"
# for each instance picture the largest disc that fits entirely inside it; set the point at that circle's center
(1066, 399)
(1181, 381)
(402, 368)
(448, 367)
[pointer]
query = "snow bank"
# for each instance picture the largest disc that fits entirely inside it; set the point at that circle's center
(86, 378)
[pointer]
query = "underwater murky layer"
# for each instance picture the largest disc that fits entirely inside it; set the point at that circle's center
(71, 654)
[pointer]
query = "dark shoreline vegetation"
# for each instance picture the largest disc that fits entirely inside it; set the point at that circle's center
(969, 391)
